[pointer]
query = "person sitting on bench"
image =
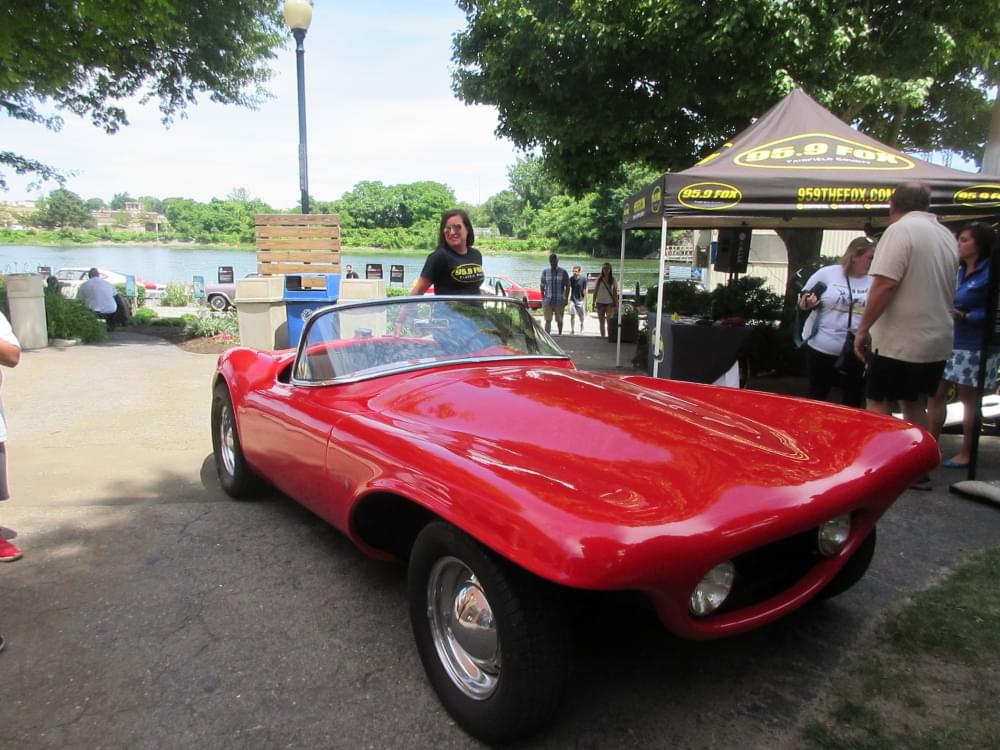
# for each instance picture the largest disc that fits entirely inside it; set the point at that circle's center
(99, 295)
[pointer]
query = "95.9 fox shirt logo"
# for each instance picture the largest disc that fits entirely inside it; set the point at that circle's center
(468, 273)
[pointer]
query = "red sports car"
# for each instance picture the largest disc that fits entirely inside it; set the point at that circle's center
(504, 287)
(453, 433)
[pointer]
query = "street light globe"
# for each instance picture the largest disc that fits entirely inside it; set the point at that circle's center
(298, 14)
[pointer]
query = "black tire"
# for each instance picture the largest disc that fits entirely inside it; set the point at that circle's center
(513, 659)
(236, 477)
(218, 303)
(854, 569)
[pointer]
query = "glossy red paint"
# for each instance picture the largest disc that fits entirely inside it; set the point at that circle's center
(589, 480)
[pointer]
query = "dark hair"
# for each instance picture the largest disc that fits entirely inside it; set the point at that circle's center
(983, 235)
(911, 196)
(93, 273)
(470, 241)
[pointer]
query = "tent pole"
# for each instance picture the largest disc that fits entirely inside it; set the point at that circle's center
(657, 354)
(621, 280)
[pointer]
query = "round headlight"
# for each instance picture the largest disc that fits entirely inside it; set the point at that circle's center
(713, 590)
(833, 534)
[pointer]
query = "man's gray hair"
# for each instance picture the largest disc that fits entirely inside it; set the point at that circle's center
(911, 196)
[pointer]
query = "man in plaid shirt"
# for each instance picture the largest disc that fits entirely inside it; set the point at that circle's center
(555, 292)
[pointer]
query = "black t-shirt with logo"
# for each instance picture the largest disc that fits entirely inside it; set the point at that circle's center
(451, 273)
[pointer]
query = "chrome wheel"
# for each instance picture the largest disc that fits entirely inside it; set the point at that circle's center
(463, 628)
(227, 439)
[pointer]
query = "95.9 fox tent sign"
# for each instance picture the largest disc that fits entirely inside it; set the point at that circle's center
(800, 166)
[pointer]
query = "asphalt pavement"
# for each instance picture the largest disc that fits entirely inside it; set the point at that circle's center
(150, 611)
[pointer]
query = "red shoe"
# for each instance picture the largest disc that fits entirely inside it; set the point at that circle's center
(8, 552)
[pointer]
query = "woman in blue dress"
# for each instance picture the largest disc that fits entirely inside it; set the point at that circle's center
(975, 246)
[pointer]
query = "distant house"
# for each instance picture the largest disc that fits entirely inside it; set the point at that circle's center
(131, 218)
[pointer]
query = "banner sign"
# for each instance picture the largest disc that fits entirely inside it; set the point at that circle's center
(396, 274)
(226, 275)
(373, 271)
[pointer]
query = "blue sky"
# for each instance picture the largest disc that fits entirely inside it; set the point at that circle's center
(379, 106)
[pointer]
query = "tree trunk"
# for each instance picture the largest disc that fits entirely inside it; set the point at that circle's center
(991, 154)
(802, 246)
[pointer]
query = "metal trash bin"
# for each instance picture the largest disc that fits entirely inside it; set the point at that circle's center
(304, 293)
(260, 312)
(26, 300)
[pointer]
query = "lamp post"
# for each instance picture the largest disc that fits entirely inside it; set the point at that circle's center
(298, 14)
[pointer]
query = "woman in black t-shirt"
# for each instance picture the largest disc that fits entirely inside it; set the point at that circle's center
(455, 267)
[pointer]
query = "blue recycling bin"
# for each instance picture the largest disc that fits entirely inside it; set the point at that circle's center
(304, 293)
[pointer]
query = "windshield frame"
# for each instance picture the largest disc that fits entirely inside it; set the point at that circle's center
(406, 307)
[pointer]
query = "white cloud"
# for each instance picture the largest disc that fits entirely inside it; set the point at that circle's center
(379, 106)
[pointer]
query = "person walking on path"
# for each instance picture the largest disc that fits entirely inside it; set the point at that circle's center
(605, 296)
(976, 242)
(10, 355)
(907, 324)
(577, 299)
(555, 293)
(836, 309)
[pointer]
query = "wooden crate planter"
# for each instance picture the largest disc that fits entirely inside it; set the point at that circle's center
(297, 243)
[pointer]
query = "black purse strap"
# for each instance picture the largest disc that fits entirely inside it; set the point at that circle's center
(850, 302)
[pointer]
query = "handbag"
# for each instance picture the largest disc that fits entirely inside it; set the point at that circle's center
(847, 363)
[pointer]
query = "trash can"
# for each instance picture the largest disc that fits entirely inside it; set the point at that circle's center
(260, 312)
(26, 299)
(361, 289)
(304, 293)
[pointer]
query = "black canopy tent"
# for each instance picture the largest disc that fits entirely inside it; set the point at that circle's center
(798, 166)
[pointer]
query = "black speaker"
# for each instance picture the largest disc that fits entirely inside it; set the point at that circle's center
(733, 250)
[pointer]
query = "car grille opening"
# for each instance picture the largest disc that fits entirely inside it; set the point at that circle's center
(767, 571)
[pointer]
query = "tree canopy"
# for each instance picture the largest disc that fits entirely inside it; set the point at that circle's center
(597, 83)
(87, 58)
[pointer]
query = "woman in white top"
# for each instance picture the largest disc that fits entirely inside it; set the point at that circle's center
(605, 296)
(10, 355)
(835, 310)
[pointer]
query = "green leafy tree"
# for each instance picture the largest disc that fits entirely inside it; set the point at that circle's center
(502, 211)
(118, 201)
(151, 204)
(95, 204)
(532, 181)
(86, 58)
(62, 208)
(571, 222)
(594, 84)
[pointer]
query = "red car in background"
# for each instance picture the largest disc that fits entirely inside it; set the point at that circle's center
(504, 287)
(501, 286)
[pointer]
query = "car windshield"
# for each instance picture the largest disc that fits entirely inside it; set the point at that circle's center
(366, 339)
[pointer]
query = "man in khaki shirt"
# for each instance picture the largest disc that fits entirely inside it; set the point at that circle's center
(907, 323)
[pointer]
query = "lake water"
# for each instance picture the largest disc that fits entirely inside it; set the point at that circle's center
(163, 263)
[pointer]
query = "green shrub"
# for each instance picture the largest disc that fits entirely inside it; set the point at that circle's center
(175, 295)
(395, 291)
(682, 298)
(143, 316)
(746, 297)
(217, 325)
(168, 322)
(71, 319)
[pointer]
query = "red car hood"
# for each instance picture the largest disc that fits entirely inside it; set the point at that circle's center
(604, 449)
